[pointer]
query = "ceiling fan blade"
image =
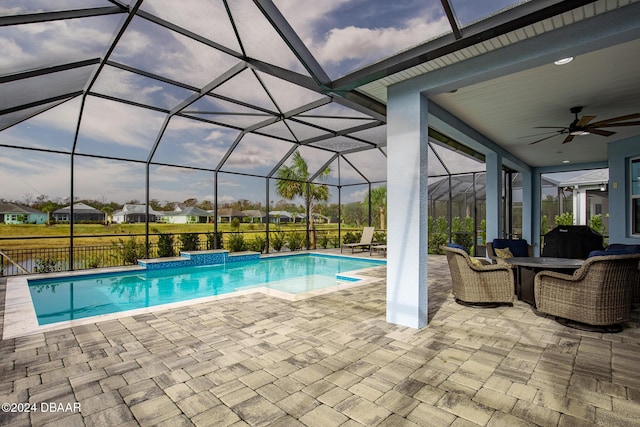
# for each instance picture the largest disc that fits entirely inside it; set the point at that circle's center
(601, 132)
(616, 119)
(543, 139)
(543, 133)
(584, 120)
(613, 125)
(569, 138)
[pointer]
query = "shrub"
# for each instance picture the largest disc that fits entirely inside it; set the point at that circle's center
(438, 234)
(323, 241)
(295, 241)
(483, 231)
(564, 219)
(165, 245)
(214, 240)
(350, 237)
(335, 241)
(258, 244)
(235, 224)
(92, 261)
(47, 265)
(380, 237)
(189, 242)
(596, 223)
(277, 240)
(544, 227)
(129, 251)
(236, 243)
(463, 232)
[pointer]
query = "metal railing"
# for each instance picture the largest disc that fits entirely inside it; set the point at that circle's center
(19, 261)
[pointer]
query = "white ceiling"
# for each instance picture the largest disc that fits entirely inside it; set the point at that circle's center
(507, 109)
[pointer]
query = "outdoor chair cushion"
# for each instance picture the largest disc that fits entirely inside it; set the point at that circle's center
(503, 253)
(457, 246)
(518, 247)
(624, 248)
(609, 252)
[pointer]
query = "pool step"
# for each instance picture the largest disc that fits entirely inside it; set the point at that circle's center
(191, 258)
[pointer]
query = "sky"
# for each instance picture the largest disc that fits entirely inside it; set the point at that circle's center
(342, 35)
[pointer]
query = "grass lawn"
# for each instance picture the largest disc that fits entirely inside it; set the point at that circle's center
(52, 236)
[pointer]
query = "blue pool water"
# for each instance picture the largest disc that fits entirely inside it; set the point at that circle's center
(76, 297)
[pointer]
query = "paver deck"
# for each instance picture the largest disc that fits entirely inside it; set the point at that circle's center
(329, 360)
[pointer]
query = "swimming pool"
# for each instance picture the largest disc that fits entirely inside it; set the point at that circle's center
(76, 297)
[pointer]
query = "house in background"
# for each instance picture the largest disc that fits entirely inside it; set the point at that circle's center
(187, 215)
(13, 213)
(281, 217)
(590, 196)
(227, 214)
(254, 215)
(135, 213)
(81, 213)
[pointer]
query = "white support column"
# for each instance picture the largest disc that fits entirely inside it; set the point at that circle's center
(494, 196)
(407, 185)
(579, 206)
(527, 208)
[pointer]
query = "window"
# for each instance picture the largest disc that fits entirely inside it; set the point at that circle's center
(635, 196)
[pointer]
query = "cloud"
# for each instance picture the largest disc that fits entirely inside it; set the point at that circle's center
(56, 42)
(356, 196)
(341, 41)
(365, 45)
(256, 152)
(117, 123)
(225, 198)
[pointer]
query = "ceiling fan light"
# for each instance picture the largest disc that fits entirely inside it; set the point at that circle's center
(580, 132)
(563, 61)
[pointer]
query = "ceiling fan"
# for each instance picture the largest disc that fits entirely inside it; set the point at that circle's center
(583, 126)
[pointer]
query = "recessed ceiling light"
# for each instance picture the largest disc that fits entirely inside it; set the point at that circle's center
(563, 61)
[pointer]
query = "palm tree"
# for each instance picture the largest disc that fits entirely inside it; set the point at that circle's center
(378, 198)
(293, 182)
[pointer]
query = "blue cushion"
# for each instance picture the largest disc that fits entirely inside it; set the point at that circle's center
(518, 247)
(627, 249)
(609, 252)
(457, 246)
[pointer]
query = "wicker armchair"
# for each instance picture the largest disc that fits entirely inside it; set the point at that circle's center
(598, 293)
(485, 284)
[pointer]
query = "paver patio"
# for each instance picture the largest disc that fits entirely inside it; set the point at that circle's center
(330, 360)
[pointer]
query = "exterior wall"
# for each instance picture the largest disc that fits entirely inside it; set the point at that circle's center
(23, 218)
(176, 219)
(37, 218)
(79, 217)
(619, 153)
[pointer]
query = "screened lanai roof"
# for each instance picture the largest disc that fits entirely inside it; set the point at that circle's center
(225, 86)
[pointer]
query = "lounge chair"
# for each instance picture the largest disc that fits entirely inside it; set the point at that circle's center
(365, 240)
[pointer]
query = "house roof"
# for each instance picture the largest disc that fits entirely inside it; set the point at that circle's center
(78, 208)
(254, 213)
(281, 213)
(188, 211)
(229, 212)
(14, 208)
(593, 177)
(129, 209)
